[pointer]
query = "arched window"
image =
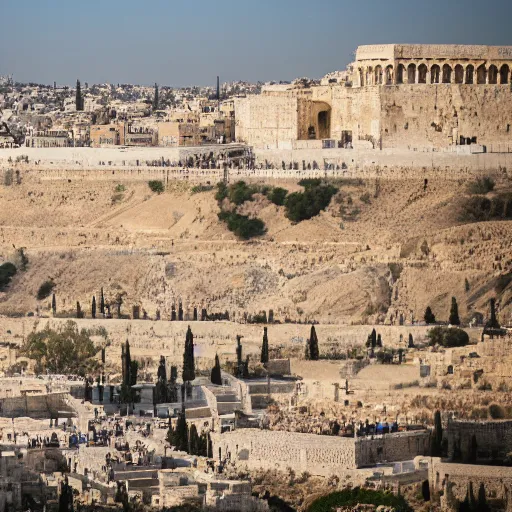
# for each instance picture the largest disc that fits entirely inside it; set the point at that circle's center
(481, 74)
(470, 71)
(411, 74)
(459, 74)
(493, 74)
(422, 74)
(400, 74)
(447, 74)
(389, 75)
(435, 74)
(361, 77)
(369, 75)
(504, 74)
(378, 75)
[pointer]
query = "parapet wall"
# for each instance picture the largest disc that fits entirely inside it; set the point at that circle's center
(36, 406)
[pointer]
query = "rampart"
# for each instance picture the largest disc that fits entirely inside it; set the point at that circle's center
(37, 406)
(319, 455)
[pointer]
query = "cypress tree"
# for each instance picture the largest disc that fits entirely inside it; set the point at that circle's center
(425, 490)
(155, 98)
(473, 449)
(194, 441)
(79, 102)
(437, 436)
(181, 434)
(93, 307)
(216, 376)
(374, 338)
(314, 353)
(429, 317)
(102, 303)
(493, 321)
(379, 341)
(188, 357)
(482, 505)
(78, 310)
(54, 304)
(411, 341)
(264, 347)
(454, 313)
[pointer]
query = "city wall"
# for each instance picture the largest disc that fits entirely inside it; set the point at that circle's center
(319, 455)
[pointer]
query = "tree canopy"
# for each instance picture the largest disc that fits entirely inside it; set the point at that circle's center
(64, 350)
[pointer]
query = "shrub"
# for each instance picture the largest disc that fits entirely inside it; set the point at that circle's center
(242, 226)
(496, 412)
(240, 192)
(120, 188)
(305, 205)
(156, 186)
(7, 271)
(448, 337)
(278, 195)
(481, 186)
(365, 198)
(481, 209)
(45, 290)
(222, 192)
(310, 182)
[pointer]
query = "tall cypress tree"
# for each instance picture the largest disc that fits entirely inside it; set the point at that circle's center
(429, 317)
(379, 341)
(216, 375)
(54, 304)
(93, 307)
(411, 341)
(194, 441)
(314, 353)
(481, 504)
(189, 372)
(156, 100)
(79, 101)
(437, 436)
(493, 321)
(180, 437)
(454, 313)
(264, 347)
(102, 302)
(374, 338)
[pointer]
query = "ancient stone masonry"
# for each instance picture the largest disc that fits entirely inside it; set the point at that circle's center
(321, 455)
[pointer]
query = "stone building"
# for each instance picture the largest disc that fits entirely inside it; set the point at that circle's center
(106, 135)
(420, 97)
(49, 139)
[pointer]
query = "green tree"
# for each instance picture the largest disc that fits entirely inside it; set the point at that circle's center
(156, 101)
(179, 437)
(378, 342)
(448, 337)
(437, 436)
(305, 205)
(278, 195)
(189, 372)
(216, 375)
(194, 441)
(473, 450)
(425, 490)
(66, 497)
(102, 302)
(264, 347)
(64, 350)
(7, 272)
(429, 317)
(54, 304)
(493, 321)
(79, 101)
(454, 313)
(411, 341)
(313, 351)
(481, 504)
(93, 307)
(156, 186)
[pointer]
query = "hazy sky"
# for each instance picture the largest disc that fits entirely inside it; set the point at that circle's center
(187, 42)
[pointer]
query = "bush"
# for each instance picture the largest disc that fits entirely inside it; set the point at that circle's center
(242, 226)
(448, 337)
(120, 188)
(305, 205)
(278, 195)
(156, 186)
(7, 271)
(365, 198)
(481, 209)
(310, 182)
(357, 496)
(496, 412)
(240, 192)
(481, 186)
(222, 192)
(45, 290)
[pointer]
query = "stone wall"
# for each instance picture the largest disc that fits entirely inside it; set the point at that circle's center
(320, 455)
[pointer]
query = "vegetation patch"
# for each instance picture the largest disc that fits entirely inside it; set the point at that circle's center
(479, 208)
(305, 205)
(156, 186)
(197, 189)
(358, 496)
(481, 186)
(45, 290)
(448, 337)
(7, 271)
(242, 226)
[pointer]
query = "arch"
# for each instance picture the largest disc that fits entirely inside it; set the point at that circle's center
(378, 75)
(389, 75)
(400, 74)
(447, 74)
(422, 74)
(459, 74)
(470, 72)
(493, 74)
(411, 74)
(369, 76)
(435, 74)
(504, 74)
(324, 124)
(361, 77)
(481, 74)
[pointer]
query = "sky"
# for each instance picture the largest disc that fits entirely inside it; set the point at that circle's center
(189, 42)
